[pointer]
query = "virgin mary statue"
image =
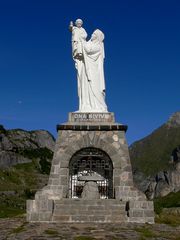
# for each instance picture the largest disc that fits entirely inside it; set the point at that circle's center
(90, 74)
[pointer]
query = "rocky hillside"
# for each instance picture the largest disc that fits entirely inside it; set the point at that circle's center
(156, 159)
(18, 146)
(25, 161)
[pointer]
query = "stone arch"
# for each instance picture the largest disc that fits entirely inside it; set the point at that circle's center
(116, 149)
(117, 152)
(91, 164)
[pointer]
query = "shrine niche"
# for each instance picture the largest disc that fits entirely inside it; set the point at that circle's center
(91, 165)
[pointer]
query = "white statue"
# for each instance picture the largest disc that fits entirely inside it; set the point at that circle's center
(79, 35)
(89, 59)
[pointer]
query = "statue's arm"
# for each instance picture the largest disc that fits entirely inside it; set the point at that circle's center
(71, 26)
(91, 49)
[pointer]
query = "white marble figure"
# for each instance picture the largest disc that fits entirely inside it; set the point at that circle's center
(89, 60)
(79, 36)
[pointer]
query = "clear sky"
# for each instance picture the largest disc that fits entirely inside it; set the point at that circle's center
(142, 65)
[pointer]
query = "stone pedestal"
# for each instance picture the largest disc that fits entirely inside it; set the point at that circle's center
(90, 191)
(98, 131)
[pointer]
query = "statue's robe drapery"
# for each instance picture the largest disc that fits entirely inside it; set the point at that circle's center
(93, 61)
(90, 71)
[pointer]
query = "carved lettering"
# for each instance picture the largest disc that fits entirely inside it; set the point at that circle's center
(91, 117)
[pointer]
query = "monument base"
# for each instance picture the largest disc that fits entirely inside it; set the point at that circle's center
(102, 211)
(90, 146)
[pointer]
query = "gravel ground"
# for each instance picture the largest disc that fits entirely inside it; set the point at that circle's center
(18, 228)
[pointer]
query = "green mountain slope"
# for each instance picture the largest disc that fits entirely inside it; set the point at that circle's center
(25, 161)
(153, 153)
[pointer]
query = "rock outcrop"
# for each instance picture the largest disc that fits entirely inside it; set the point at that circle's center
(156, 160)
(16, 145)
(174, 120)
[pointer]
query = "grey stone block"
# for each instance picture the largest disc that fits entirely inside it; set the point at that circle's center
(151, 205)
(115, 219)
(148, 213)
(95, 218)
(121, 134)
(55, 160)
(80, 218)
(63, 171)
(116, 181)
(149, 220)
(136, 213)
(50, 205)
(30, 204)
(64, 163)
(45, 216)
(43, 205)
(33, 217)
(116, 145)
(117, 212)
(137, 219)
(65, 211)
(54, 182)
(110, 151)
(62, 218)
(127, 168)
(96, 208)
(52, 175)
(141, 205)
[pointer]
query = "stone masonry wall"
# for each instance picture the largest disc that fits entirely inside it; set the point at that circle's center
(73, 138)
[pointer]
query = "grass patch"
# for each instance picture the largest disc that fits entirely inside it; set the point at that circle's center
(45, 166)
(36, 153)
(171, 200)
(145, 232)
(171, 219)
(15, 201)
(152, 154)
(6, 212)
(18, 229)
(31, 166)
(44, 154)
(51, 232)
(18, 177)
(18, 184)
(90, 228)
(84, 238)
(24, 176)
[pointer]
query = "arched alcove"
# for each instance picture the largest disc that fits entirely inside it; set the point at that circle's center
(92, 162)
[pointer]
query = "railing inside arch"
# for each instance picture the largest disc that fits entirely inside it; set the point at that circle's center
(91, 162)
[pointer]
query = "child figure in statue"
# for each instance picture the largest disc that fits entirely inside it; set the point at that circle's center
(79, 36)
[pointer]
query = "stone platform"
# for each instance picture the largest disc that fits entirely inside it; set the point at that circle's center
(85, 131)
(109, 210)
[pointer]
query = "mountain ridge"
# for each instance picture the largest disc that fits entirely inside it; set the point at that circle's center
(14, 142)
(156, 159)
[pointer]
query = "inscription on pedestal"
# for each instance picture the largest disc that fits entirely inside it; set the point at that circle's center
(91, 117)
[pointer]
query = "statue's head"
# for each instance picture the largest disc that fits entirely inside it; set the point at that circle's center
(79, 23)
(97, 35)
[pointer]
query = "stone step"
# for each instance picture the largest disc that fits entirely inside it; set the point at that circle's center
(89, 206)
(98, 202)
(88, 212)
(80, 210)
(89, 218)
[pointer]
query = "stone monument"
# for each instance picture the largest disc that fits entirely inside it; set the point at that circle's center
(91, 177)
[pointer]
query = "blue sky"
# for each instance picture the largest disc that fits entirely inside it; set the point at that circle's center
(142, 65)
